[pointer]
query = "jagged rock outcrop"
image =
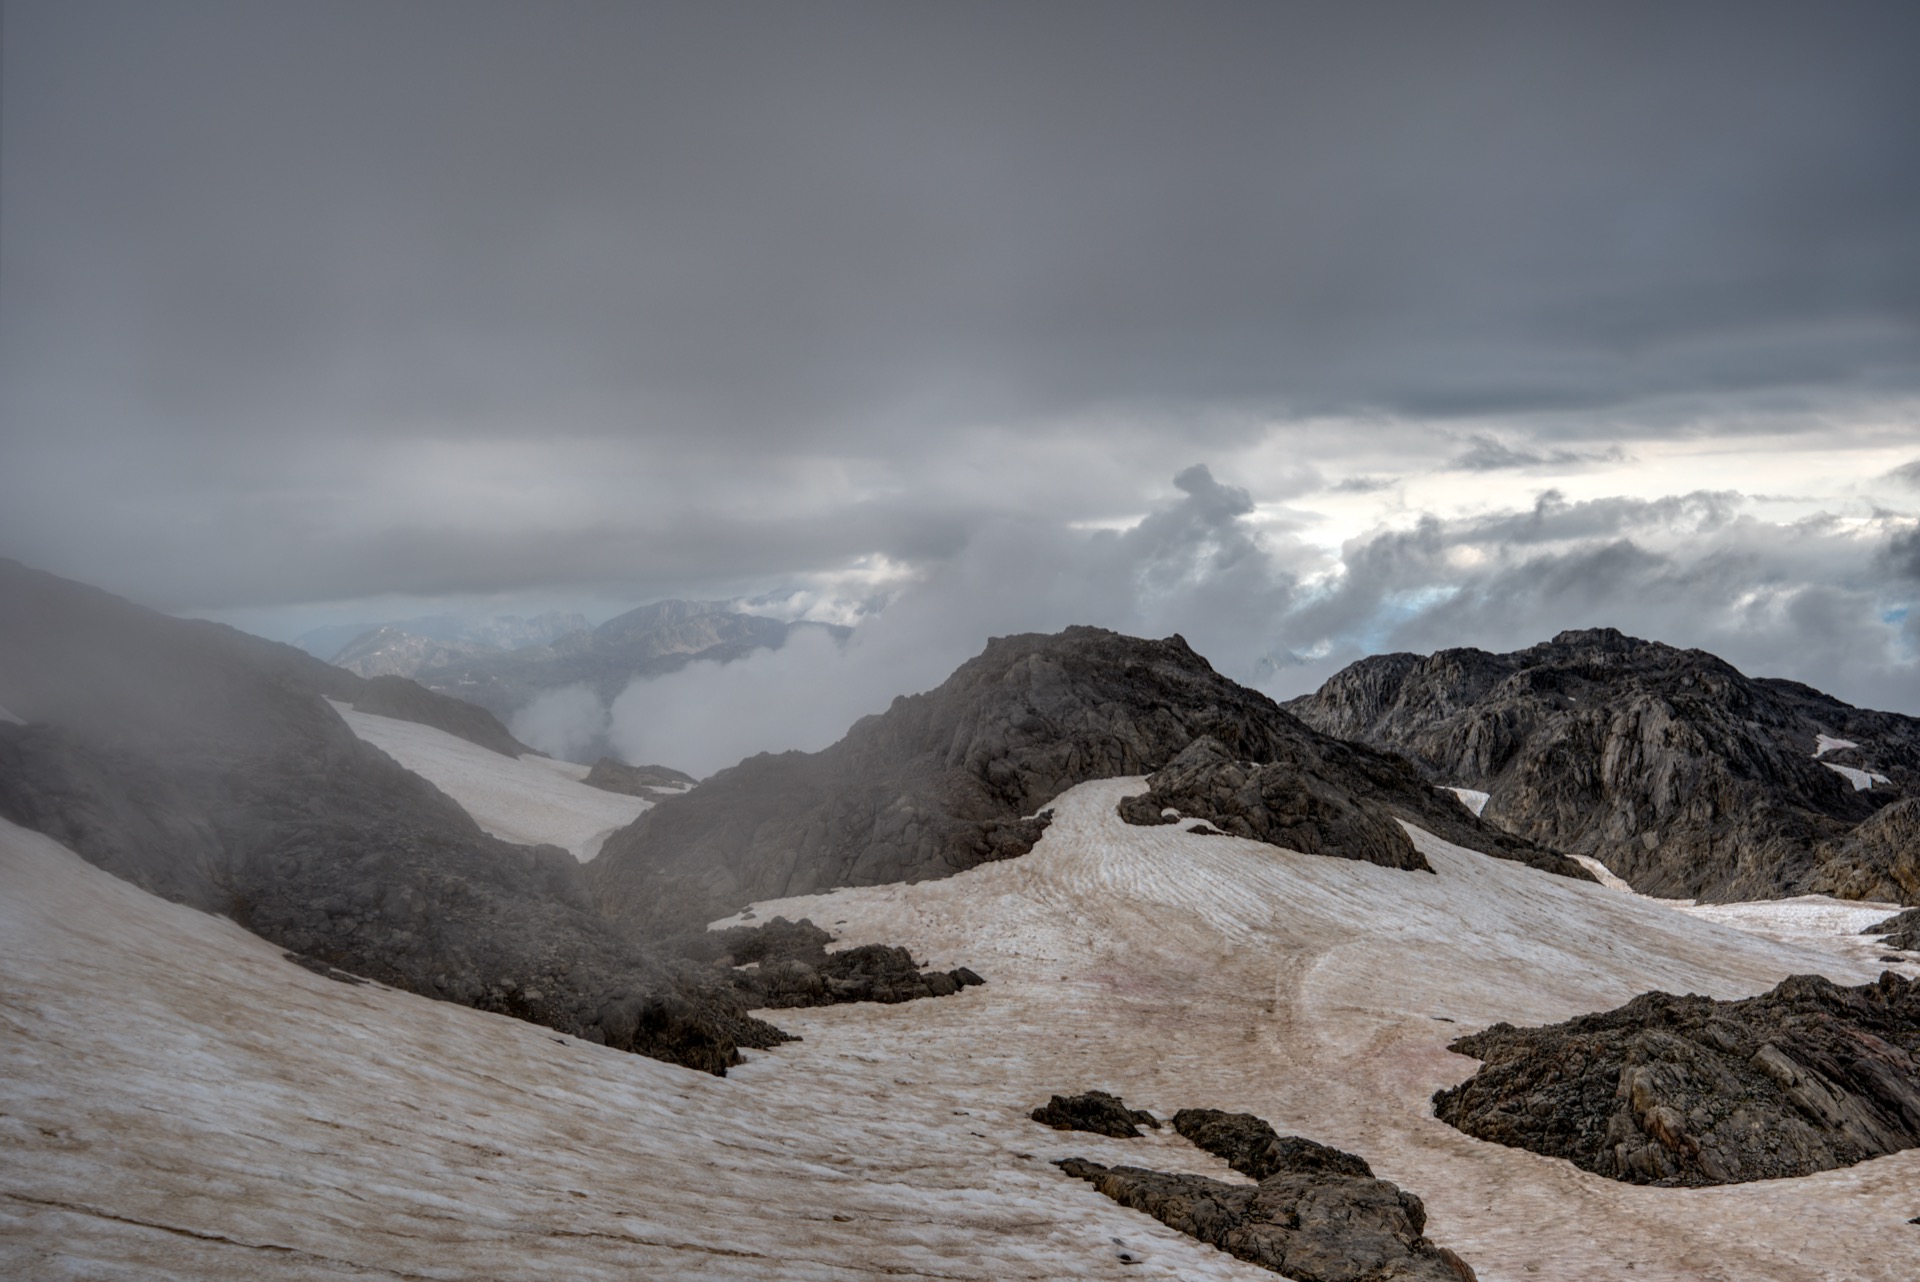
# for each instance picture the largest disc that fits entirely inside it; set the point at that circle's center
(792, 967)
(952, 778)
(1879, 858)
(206, 766)
(637, 781)
(1680, 774)
(1317, 1214)
(1901, 931)
(1323, 796)
(1284, 805)
(1252, 1147)
(1689, 1091)
(1096, 1112)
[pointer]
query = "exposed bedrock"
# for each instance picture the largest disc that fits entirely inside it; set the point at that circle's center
(1316, 1215)
(1252, 1147)
(1295, 808)
(1678, 772)
(790, 966)
(205, 766)
(1096, 1112)
(1689, 1091)
(1901, 931)
(1321, 795)
(946, 780)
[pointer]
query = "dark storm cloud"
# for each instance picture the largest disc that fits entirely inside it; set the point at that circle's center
(251, 252)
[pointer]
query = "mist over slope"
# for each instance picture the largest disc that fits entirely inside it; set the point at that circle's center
(558, 695)
(206, 766)
(1680, 773)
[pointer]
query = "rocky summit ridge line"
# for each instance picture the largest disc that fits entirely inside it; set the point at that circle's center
(962, 774)
(1681, 774)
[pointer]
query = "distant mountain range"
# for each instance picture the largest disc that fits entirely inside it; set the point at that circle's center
(499, 632)
(1678, 772)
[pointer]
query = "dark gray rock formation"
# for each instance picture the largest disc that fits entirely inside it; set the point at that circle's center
(1283, 805)
(637, 781)
(1320, 1218)
(1680, 774)
(792, 967)
(205, 766)
(1901, 931)
(1097, 1112)
(648, 642)
(1689, 1091)
(1877, 859)
(940, 782)
(1320, 795)
(1252, 1147)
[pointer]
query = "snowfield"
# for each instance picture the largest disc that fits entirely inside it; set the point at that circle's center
(176, 1101)
(528, 800)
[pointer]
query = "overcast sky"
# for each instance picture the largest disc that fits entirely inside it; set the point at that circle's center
(1304, 330)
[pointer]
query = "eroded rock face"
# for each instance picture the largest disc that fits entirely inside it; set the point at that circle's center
(1253, 1148)
(1096, 1112)
(206, 766)
(1282, 805)
(1901, 931)
(1680, 774)
(1323, 796)
(943, 781)
(1691, 1091)
(1318, 1215)
(792, 967)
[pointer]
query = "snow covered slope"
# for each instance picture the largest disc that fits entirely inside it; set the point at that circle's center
(530, 800)
(178, 1102)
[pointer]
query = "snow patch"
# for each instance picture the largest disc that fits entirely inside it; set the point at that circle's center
(7, 716)
(248, 1118)
(529, 800)
(1823, 744)
(1606, 875)
(1862, 780)
(1472, 798)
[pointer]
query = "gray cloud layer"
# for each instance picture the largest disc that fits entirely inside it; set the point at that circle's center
(308, 303)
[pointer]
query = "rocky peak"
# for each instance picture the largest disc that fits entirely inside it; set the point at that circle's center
(1679, 772)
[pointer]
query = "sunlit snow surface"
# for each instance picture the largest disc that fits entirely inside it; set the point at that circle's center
(1825, 743)
(1472, 798)
(178, 1102)
(529, 800)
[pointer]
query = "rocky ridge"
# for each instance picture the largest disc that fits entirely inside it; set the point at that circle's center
(1095, 1112)
(1317, 1214)
(1682, 775)
(1691, 1091)
(961, 775)
(1322, 796)
(784, 964)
